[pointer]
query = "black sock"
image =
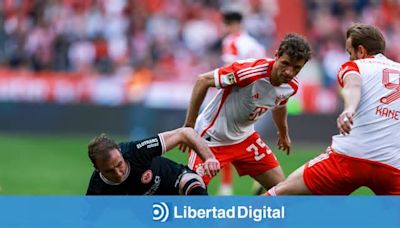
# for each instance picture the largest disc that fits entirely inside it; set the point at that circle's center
(194, 187)
(198, 191)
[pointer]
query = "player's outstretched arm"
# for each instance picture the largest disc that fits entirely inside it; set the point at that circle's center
(279, 115)
(351, 95)
(189, 137)
(204, 81)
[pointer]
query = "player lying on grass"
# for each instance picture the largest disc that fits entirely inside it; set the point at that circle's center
(137, 167)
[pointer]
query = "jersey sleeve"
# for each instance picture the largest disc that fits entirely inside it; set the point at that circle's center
(241, 73)
(345, 70)
(144, 150)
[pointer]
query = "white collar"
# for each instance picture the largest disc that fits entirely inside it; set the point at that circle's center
(107, 181)
(380, 55)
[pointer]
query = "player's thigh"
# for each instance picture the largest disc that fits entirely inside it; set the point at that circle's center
(330, 174)
(385, 180)
(270, 177)
(294, 184)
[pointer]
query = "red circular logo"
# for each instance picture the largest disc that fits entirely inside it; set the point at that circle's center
(147, 176)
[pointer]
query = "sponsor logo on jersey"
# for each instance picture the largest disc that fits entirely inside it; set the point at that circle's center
(150, 143)
(147, 176)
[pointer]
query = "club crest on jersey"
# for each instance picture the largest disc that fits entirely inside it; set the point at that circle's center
(147, 176)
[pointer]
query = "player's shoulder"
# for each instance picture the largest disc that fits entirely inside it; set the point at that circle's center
(265, 62)
(125, 147)
(129, 150)
(348, 66)
(252, 65)
(359, 65)
(95, 178)
(372, 61)
(350, 63)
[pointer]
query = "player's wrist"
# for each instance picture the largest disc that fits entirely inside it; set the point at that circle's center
(283, 133)
(349, 110)
(211, 159)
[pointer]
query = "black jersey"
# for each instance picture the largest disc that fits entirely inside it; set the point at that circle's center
(150, 174)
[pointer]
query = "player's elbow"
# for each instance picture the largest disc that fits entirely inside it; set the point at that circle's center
(205, 80)
(185, 134)
(201, 81)
(187, 131)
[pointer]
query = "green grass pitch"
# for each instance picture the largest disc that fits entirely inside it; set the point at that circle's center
(58, 165)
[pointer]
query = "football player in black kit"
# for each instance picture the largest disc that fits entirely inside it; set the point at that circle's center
(137, 167)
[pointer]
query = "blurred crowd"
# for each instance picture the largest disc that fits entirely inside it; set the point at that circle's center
(329, 19)
(164, 39)
(169, 39)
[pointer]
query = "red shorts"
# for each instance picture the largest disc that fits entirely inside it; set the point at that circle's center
(250, 157)
(332, 173)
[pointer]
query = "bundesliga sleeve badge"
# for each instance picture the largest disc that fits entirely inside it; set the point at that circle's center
(228, 79)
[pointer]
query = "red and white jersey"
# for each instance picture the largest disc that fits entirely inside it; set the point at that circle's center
(245, 94)
(375, 133)
(241, 46)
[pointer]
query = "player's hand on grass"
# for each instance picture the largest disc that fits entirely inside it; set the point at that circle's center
(284, 143)
(211, 167)
(344, 122)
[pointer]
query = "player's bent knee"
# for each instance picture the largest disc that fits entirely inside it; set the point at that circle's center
(192, 184)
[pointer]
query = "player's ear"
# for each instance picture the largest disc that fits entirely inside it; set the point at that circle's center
(362, 52)
(276, 54)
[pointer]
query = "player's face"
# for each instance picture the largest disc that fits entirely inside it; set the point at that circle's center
(287, 68)
(114, 168)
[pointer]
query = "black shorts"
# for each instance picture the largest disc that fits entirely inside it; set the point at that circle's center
(170, 174)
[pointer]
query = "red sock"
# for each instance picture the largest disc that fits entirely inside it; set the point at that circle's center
(226, 175)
